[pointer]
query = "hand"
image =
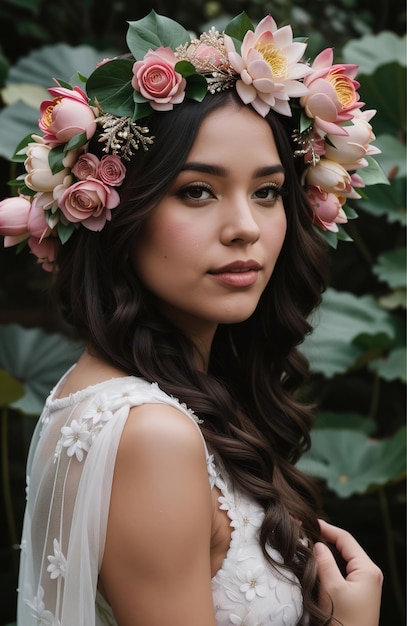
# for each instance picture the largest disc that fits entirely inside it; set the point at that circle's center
(356, 598)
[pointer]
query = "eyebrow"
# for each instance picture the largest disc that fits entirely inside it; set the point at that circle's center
(218, 170)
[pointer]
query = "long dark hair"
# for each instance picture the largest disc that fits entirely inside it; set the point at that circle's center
(252, 420)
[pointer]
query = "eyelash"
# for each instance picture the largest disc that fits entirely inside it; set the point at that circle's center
(185, 192)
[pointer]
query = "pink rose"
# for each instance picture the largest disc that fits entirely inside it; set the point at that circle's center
(111, 170)
(89, 202)
(327, 209)
(45, 251)
(156, 79)
(86, 166)
(67, 115)
(14, 216)
(332, 93)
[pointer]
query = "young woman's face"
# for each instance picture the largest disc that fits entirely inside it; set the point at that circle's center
(209, 248)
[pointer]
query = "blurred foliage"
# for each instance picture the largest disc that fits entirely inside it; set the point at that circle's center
(358, 351)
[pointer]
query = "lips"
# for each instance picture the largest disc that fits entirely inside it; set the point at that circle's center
(236, 275)
(237, 267)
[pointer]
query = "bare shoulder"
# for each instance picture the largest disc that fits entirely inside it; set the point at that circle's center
(156, 426)
(160, 514)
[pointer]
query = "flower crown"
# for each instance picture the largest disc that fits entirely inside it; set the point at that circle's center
(67, 186)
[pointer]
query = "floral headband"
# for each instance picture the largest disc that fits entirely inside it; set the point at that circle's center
(67, 186)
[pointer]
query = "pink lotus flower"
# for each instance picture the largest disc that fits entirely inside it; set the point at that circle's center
(86, 166)
(39, 176)
(90, 202)
(45, 251)
(327, 209)
(37, 224)
(332, 93)
(111, 170)
(156, 79)
(329, 176)
(351, 150)
(14, 214)
(268, 67)
(67, 115)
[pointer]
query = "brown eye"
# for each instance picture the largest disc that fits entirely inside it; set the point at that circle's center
(196, 192)
(268, 193)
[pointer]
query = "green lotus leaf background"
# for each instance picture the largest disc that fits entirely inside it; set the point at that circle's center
(343, 317)
(37, 360)
(59, 61)
(351, 463)
(391, 267)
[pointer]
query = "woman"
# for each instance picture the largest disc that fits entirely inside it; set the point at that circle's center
(162, 481)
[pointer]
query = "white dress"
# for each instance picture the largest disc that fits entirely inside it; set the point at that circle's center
(69, 477)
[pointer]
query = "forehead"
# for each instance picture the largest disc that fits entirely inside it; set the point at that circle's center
(234, 132)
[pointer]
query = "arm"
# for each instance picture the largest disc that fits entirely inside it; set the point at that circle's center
(356, 598)
(156, 564)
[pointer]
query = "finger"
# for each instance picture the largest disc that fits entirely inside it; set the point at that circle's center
(328, 571)
(351, 551)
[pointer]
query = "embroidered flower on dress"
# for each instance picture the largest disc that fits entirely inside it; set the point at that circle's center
(40, 614)
(76, 438)
(57, 562)
(99, 410)
(256, 583)
(251, 515)
(236, 620)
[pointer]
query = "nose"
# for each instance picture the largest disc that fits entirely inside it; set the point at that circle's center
(239, 223)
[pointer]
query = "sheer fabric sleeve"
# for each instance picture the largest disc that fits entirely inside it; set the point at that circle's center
(69, 477)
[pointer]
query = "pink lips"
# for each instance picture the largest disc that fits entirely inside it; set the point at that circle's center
(237, 274)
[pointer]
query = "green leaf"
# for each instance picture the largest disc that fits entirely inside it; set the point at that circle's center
(344, 421)
(55, 158)
(330, 237)
(196, 88)
(56, 60)
(110, 84)
(392, 367)
(373, 173)
(26, 191)
(76, 142)
(154, 31)
(10, 388)
(341, 318)
(389, 201)
(349, 212)
(63, 83)
(352, 463)
(36, 358)
(141, 110)
(185, 68)
(391, 267)
(20, 158)
(65, 231)
(371, 51)
(393, 156)
(237, 28)
(385, 91)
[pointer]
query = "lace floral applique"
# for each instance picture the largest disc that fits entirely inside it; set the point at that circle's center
(40, 614)
(76, 438)
(57, 562)
(79, 435)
